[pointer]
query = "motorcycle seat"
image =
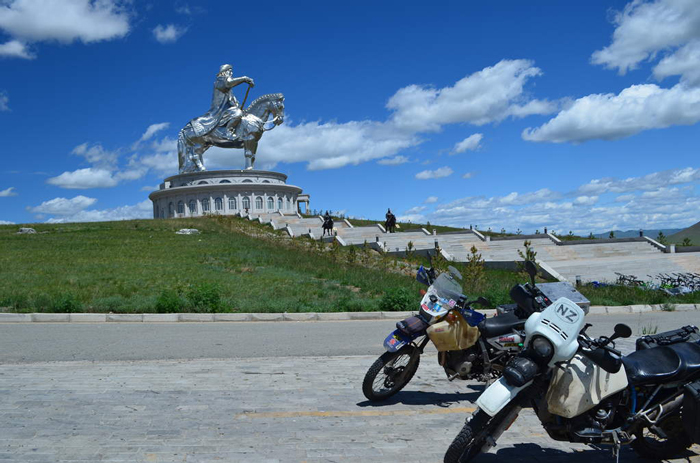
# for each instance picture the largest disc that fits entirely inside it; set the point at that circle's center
(662, 364)
(502, 324)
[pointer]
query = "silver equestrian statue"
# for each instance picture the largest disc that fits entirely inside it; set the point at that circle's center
(227, 124)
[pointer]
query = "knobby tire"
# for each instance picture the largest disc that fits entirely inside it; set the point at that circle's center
(369, 388)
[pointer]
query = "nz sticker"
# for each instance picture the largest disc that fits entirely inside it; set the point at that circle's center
(567, 314)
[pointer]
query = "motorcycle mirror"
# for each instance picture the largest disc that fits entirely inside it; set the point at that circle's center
(531, 270)
(622, 331)
(454, 272)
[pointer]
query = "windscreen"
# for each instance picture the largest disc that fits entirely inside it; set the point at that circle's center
(447, 287)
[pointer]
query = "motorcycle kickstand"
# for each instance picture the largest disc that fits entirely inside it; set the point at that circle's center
(616, 447)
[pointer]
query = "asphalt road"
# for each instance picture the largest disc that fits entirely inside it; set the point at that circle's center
(38, 342)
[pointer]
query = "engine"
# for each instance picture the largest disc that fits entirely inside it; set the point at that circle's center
(463, 364)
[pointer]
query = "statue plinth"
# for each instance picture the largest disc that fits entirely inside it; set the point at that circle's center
(226, 192)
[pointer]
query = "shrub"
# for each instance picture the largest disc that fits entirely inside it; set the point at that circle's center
(397, 300)
(169, 301)
(205, 297)
(474, 275)
(114, 304)
(15, 301)
(66, 303)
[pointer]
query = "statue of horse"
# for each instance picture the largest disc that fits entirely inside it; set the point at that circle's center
(327, 226)
(245, 134)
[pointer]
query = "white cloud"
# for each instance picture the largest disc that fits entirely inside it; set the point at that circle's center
(651, 181)
(8, 192)
(645, 28)
(168, 34)
(150, 188)
(469, 175)
(66, 21)
(15, 49)
(471, 143)
(63, 206)
(3, 102)
(5, 222)
(142, 210)
(416, 210)
(668, 30)
(610, 117)
(586, 200)
(667, 199)
(395, 161)
(84, 178)
(431, 200)
(625, 198)
(489, 95)
(96, 155)
(153, 129)
(433, 174)
(327, 145)
(685, 63)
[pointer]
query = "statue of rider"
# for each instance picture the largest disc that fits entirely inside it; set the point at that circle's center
(224, 110)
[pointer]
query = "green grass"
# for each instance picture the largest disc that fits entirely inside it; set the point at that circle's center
(127, 266)
(234, 265)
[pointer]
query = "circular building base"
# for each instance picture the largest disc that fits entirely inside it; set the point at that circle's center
(225, 192)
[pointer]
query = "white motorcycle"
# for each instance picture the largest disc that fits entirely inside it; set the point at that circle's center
(585, 391)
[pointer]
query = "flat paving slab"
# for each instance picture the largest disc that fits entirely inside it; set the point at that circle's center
(292, 409)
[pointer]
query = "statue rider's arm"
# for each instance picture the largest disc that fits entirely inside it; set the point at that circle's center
(233, 81)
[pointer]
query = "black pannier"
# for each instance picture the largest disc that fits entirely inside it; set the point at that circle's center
(412, 326)
(686, 334)
(691, 410)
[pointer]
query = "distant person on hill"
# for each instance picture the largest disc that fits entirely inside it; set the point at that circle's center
(390, 223)
(327, 224)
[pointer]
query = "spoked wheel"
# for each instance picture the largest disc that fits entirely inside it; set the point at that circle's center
(480, 430)
(390, 373)
(663, 443)
(470, 439)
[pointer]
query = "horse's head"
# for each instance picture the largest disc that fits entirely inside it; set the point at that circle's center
(277, 109)
(271, 104)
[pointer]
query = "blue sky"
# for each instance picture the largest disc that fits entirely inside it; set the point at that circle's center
(576, 116)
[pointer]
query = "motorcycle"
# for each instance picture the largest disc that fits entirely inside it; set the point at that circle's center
(470, 346)
(584, 390)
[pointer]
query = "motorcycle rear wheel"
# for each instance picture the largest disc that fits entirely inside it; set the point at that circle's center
(390, 373)
(651, 446)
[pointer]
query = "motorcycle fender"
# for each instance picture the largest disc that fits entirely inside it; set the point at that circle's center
(395, 341)
(497, 396)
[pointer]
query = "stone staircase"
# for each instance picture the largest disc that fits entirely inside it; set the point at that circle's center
(590, 261)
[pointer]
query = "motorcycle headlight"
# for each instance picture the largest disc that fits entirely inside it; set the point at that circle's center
(541, 349)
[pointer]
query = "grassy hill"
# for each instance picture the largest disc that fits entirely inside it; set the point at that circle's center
(652, 233)
(144, 266)
(692, 233)
(234, 265)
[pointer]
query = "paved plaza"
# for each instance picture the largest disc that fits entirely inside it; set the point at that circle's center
(287, 409)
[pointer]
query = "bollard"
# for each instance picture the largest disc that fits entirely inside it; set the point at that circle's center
(578, 281)
(488, 238)
(672, 248)
(434, 232)
(436, 244)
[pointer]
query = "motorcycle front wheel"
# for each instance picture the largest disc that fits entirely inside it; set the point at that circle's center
(474, 435)
(650, 445)
(390, 373)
